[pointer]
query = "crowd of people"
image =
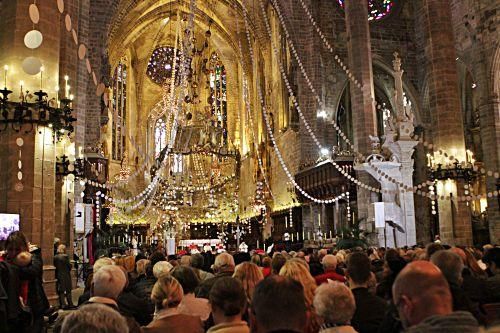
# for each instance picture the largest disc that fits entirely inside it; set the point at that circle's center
(432, 289)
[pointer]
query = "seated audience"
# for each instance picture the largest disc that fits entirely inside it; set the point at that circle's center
(166, 295)
(425, 304)
(94, 318)
(223, 266)
(228, 303)
(278, 306)
(329, 266)
(162, 267)
(334, 304)
(370, 309)
(190, 304)
(492, 260)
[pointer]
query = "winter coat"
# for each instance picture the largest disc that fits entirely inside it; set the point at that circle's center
(458, 321)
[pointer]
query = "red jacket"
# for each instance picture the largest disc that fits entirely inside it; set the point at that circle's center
(323, 278)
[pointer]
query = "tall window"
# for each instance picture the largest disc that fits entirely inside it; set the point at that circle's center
(217, 97)
(176, 166)
(377, 9)
(119, 111)
(160, 136)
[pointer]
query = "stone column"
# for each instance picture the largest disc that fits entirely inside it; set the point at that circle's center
(363, 111)
(444, 102)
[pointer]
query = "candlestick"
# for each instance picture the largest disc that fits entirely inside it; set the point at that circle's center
(5, 70)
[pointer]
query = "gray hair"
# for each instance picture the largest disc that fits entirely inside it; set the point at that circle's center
(224, 261)
(109, 282)
(450, 264)
(101, 262)
(94, 318)
(162, 267)
(335, 303)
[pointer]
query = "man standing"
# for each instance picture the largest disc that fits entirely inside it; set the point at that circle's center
(370, 309)
(63, 275)
(423, 299)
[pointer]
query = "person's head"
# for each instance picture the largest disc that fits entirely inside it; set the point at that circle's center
(186, 277)
(450, 264)
(161, 267)
(297, 270)
(167, 292)
(358, 269)
(460, 252)
(492, 259)
(185, 260)
(334, 302)
(329, 263)
(109, 282)
(61, 249)
(197, 261)
(155, 257)
(129, 264)
(140, 266)
(471, 263)
(322, 253)
(224, 262)
(277, 262)
(227, 300)
(101, 262)
(420, 291)
(432, 248)
(266, 262)
(278, 303)
(94, 318)
(256, 259)
(249, 274)
(15, 244)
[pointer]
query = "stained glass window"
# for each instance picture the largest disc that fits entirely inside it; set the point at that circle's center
(160, 136)
(377, 9)
(119, 105)
(218, 96)
(160, 64)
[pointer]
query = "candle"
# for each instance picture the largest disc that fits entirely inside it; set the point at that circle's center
(21, 83)
(5, 70)
(309, 235)
(319, 219)
(314, 236)
(330, 234)
(257, 243)
(286, 222)
(303, 235)
(292, 237)
(41, 77)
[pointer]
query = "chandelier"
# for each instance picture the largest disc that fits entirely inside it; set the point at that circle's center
(25, 114)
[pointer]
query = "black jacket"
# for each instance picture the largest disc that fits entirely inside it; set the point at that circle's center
(203, 290)
(370, 311)
(142, 290)
(37, 300)
(132, 306)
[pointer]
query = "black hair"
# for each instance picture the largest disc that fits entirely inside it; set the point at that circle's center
(358, 267)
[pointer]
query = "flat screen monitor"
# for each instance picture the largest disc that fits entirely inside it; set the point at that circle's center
(8, 224)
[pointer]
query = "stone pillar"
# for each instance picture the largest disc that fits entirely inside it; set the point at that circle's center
(444, 102)
(363, 111)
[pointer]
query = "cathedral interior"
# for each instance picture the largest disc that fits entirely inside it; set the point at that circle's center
(222, 122)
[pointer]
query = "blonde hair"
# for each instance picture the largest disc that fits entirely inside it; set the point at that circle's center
(167, 292)
(61, 249)
(129, 263)
(249, 274)
(297, 270)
